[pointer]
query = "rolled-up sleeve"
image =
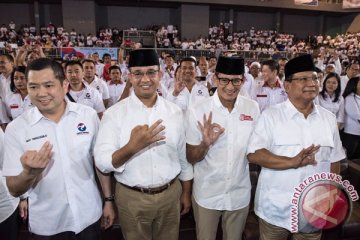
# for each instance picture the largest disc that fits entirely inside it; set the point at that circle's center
(187, 172)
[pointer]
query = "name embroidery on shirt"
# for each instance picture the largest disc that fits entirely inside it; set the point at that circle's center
(261, 95)
(36, 138)
(244, 117)
(13, 106)
(82, 129)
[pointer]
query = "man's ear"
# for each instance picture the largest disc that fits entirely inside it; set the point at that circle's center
(287, 86)
(215, 80)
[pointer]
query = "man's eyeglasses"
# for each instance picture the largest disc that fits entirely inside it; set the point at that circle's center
(305, 79)
(150, 74)
(234, 81)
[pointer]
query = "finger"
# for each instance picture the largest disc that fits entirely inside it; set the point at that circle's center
(45, 151)
(155, 125)
(157, 131)
(157, 139)
(201, 127)
(210, 118)
(205, 121)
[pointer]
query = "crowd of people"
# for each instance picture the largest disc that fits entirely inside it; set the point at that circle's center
(175, 133)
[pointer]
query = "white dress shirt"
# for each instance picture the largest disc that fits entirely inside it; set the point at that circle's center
(115, 92)
(336, 108)
(88, 96)
(4, 118)
(284, 131)
(352, 114)
(8, 203)
(101, 86)
(155, 165)
(187, 98)
(4, 86)
(15, 105)
(221, 179)
(66, 196)
(267, 96)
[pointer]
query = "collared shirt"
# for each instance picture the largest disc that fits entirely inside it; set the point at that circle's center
(99, 69)
(155, 165)
(284, 131)
(8, 203)
(115, 91)
(66, 196)
(89, 96)
(267, 96)
(4, 118)
(221, 179)
(4, 86)
(15, 105)
(101, 86)
(352, 114)
(336, 108)
(168, 76)
(187, 98)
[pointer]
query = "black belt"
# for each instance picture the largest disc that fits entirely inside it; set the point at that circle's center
(151, 190)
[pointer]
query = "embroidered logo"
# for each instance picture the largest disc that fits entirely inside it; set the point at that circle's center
(82, 129)
(244, 117)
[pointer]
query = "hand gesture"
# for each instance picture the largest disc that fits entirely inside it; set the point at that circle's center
(143, 136)
(179, 86)
(185, 202)
(306, 156)
(210, 131)
(23, 209)
(34, 162)
(108, 215)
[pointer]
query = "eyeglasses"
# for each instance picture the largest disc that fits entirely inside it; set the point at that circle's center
(150, 74)
(3, 63)
(305, 79)
(234, 81)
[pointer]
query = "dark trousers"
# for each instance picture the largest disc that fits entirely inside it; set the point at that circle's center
(92, 232)
(352, 145)
(9, 228)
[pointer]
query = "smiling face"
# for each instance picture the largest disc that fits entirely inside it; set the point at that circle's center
(229, 92)
(304, 88)
(46, 92)
(331, 85)
(20, 81)
(145, 86)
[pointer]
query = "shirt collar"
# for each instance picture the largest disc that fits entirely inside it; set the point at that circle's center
(36, 115)
(135, 100)
(277, 84)
(291, 111)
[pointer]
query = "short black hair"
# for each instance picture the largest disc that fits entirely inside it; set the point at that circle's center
(106, 55)
(114, 67)
(45, 63)
(21, 69)
(188, 59)
(8, 57)
(87, 60)
(72, 63)
(272, 64)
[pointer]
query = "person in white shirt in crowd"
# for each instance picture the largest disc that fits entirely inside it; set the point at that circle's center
(330, 97)
(221, 187)
(255, 72)
(168, 71)
(292, 140)
(98, 64)
(187, 90)
(6, 68)
(212, 63)
(282, 62)
(142, 140)
(320, 75)
(123, 62)
(18, 101)
(333, 65)
(352, 70)
(51, 159)
(79, 91)
(205, 76)
(351, 134)
(116, 85)
(94, 81)
(272, 91)
(10, 207)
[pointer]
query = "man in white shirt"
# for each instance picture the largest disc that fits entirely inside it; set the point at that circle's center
(272, 91)
(51, 159)
(221, 175)
(116, 85)
(94, 81)
(205, 75)
(291, 141)
(6, 68)
(142, 140)
(79, 91)
(352, 70)
(170, 66)
(187, 90)
(98, 65)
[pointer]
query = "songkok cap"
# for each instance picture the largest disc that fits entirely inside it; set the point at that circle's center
(230, 65)
(302, 63)
(257, 64)
(143, 58)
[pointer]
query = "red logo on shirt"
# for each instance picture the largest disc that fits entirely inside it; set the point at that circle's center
(244, 117)
(13, 106)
